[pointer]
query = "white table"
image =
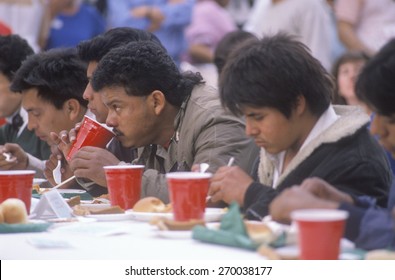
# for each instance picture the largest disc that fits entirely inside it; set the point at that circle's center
(135, 240)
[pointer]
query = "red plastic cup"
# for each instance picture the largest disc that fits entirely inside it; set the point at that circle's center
(188, 192)
(320, 232)
(91, 133)
(17, 184)
(124, 184)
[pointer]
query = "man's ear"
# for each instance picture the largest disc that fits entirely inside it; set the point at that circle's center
(72, 109)
(158, 101)
(301, 105)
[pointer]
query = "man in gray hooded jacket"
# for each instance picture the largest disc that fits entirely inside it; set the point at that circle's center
(174, 118)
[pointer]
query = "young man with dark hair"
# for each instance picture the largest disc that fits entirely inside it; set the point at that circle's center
(284, 93)
(368, 226)
(15, 134)
(52, 84)
(88, 162)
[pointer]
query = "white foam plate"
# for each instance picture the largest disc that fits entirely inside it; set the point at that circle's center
(64, 191)
(211, 215)
(77, 219)
(71, 191)
(112, 217)
(88, 204)
(38, 181)
(147, 216)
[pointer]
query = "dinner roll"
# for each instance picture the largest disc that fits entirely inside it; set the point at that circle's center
(149, 204)
(259, 232)
(14, 211)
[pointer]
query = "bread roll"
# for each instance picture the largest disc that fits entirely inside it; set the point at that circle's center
(259, 232)
(14, 211)
(150, 204)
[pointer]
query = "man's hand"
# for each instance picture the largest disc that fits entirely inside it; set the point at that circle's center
(88, 163)
(65, 139)
(296, 198)
(324, 190)
(19, 159)
(51, 164)
(229, 184)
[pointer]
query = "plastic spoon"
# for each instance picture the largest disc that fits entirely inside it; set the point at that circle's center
(56, 173)
(230, 162)
(203, 167)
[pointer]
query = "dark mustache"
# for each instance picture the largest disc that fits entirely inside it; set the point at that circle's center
(117, 132)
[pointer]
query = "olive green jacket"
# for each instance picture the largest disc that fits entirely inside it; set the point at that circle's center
(205, 132)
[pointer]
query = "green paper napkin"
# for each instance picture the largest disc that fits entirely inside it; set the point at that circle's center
(29, 227)
(232, 231)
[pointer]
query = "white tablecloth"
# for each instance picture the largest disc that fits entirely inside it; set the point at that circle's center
(119, 240)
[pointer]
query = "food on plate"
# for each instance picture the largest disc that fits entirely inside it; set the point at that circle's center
(80, 210)
(40, 190)
(259, 232)
(13, 211)
(151, 204)
(73, 201)
(36, 188)
(380, 254)
(168, 224)
(110, 210)
(103, 199)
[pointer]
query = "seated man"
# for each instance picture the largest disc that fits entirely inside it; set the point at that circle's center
(52, 84)
(14, 50)
(88, 162)
(284, 94)
(368, 226)
(176, 118)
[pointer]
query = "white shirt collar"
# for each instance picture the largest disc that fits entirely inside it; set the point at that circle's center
(325, 121)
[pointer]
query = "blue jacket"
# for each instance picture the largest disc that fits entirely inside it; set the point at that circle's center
(171, 32)
(371, 227)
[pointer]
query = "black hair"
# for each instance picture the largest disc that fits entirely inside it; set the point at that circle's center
(274, 72)
(227, 44)
(58, 75)
(142, 67)
(376, 83)
(94, 49)
(13, 50)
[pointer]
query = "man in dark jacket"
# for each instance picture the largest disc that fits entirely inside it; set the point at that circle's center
(368, 226)
(284, 93)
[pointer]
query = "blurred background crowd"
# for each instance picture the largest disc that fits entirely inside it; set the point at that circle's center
(191, 29)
